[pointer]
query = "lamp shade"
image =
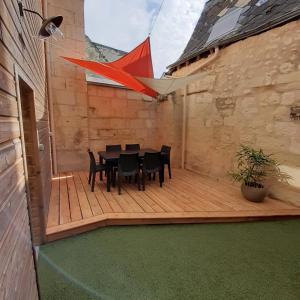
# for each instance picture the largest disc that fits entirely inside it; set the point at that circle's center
(50, 26)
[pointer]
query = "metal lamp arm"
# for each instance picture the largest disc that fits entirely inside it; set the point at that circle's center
(34, 12)
(22, 9)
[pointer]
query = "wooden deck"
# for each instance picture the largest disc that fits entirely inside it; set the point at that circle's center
(187, 198)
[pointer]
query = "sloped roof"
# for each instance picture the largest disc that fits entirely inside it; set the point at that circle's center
(225, 21)
(100, 53)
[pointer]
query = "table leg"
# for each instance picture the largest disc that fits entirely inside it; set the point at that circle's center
(101, 173)
(163, 172)
(108, 178)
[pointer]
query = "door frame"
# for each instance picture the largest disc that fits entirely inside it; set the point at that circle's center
(20, 75)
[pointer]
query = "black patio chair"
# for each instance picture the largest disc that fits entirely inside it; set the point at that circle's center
(166, 160)
(152, 164)
(114, 164)
(94, 168)
(128, 166)
(132, 147)
(113, 148)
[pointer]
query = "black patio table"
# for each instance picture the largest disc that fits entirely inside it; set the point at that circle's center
(111, 159)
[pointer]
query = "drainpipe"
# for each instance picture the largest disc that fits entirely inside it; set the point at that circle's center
(50, 99)
(184, 108)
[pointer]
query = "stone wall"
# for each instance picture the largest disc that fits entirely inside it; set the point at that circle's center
(245, 98)
(68, 87)
(119, 116)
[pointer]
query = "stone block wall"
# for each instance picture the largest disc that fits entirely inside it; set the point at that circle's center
(68, 87)
(119, 116)
(246, 98)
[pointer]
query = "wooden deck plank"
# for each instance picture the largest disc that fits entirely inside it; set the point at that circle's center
(83, 201)
(110, 199)
(95, 207)
(126, 201)
(136, 196)
(53, 214)
(104, 204)
(64, 207)
(187, 198)
(73, 198)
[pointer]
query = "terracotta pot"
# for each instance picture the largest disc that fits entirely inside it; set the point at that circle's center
(254, 194)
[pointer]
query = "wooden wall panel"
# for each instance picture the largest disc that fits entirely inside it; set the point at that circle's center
(26, 57)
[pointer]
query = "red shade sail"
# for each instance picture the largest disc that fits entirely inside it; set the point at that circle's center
(138, 62)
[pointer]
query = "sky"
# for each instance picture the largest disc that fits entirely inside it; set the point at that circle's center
(123, 24)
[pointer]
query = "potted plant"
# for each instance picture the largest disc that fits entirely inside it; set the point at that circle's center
(254, 169)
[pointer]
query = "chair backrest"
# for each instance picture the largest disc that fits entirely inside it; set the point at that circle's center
(92, 159)
(165, 150)
(132, 147)
(152, 161)
(113, 148)
(128, 163)
(165, 153)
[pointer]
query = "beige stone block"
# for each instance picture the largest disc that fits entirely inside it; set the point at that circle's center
(143, 114)
(71, 121)
(269, 98)
(135, 104)
(58, 83)
(118, 123)
(141, 133)
(295, 145)
(286, 87)
(64, 97)
(98, 102)
(118, 104)
(97, 123)
(70, 160)
(69, 16)
(203, 98)
(272, 143)
(92, 90)
(138, 123)
(286, 67)
(230, 121)
(121, 93)
(76, 85)
(206, 83)
(281, 113)
(125, 132)
(97, 145)
(286, 129)
(289, 98)
(107, 132)
(134, 95)
(106, 92)
(150, 123)
(287, 78)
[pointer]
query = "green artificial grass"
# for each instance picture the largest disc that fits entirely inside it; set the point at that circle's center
(258, 260)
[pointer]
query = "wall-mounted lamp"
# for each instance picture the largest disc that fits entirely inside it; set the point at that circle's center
(50, 26)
